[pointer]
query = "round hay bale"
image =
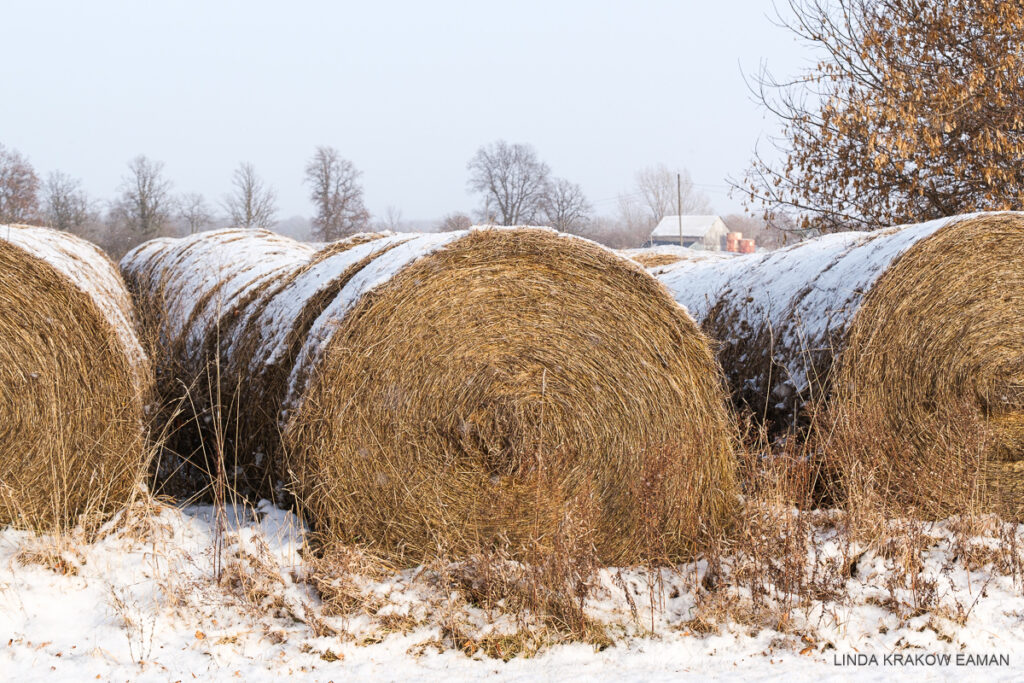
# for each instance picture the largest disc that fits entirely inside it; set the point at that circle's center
(909, 341)
(190, 292)
(494, 386)
(74, 381)
(655, 258)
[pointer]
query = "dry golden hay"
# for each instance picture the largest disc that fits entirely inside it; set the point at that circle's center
(222, 296)
(189, 292)
(493, 386)
(438, 392)
(74, 381)
(910, 342)
(259, 352)
(655, 260)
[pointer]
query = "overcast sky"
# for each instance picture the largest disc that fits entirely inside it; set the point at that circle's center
(406, 90)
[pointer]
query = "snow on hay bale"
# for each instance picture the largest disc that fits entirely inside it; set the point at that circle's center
(259, 352)
(909, 330)
(189, 291)
(447, 390)
(73, 381)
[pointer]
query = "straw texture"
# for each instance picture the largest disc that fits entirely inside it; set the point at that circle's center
(74, 381)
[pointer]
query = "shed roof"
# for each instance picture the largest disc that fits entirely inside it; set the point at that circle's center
(693, 226)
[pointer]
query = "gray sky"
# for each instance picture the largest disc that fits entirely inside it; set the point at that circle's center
(406, 90)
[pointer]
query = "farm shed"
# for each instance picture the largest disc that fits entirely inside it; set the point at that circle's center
(699, 232)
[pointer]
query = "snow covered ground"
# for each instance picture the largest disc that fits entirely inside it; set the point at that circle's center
(140, 602)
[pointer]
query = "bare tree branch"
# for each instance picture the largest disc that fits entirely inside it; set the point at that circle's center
(194, 211)
(564, 206)
(336, 194)
(512, 180)
(19, 188)
(252, 204)
(66, 206)
(144, 203)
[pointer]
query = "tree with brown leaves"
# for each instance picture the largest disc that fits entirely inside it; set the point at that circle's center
(914, 110)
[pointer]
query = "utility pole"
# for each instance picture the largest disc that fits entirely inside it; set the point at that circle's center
(679, 205)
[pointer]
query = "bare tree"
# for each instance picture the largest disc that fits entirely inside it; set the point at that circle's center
(615, 232)
(392, 219)
(144, 205)
(194, 211)
(657, 191)
(454, 221)
(19, 188)
(251, 204)
(565, 207)
(634, 224)
(512, 180)
(337, 195)
(66, 206)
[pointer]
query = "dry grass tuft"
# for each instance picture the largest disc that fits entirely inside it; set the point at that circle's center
(339, 573)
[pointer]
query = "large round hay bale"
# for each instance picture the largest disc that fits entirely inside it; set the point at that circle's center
(912, 337)
(73, 382)
(467, 388)
(190, 292)
(439, 392)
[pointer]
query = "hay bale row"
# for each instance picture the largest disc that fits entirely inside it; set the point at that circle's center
(189, 291)
(897, 331)
(449, 391)
(74, 381)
